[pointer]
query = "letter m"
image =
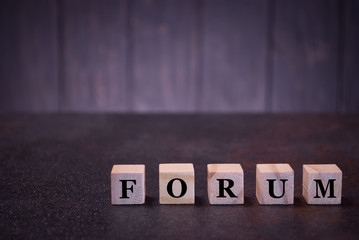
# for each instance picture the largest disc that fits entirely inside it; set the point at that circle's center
(330, 185)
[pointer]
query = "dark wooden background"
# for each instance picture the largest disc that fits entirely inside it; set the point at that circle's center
(179, 56)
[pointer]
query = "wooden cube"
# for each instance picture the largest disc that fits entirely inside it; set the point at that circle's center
(128, 184)
(225, 184)
(274, 184)
(322, 184)
(176, 183)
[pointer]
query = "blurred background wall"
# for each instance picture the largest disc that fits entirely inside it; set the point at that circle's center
(179, 55)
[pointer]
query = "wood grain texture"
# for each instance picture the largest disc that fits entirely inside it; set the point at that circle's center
(305, 55)
(179, 56)
(164, 55)
(351, 57)
(233, 183)
(235, 47)
(183, 183)
(283, 185)
(94, 55)
(135, 184)
(322, 184)
(28, 56)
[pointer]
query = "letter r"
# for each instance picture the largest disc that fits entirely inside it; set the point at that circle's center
(227, 189)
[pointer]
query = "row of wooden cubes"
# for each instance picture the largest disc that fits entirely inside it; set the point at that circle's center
(322, 184)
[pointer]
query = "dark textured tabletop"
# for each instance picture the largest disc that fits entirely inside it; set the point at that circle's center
(55, 174)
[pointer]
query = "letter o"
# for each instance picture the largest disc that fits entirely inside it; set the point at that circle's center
(170, 188)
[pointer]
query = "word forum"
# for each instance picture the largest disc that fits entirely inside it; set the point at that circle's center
(321, 184)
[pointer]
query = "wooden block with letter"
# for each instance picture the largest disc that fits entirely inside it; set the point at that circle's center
(322, 184)
(225, 184)
(176, 183)
(128, 184)
(274, 184)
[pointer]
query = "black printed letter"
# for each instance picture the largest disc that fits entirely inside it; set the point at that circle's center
(222, 188)
(324, 191)
(271, 187)
(125, 188)
(170, 186)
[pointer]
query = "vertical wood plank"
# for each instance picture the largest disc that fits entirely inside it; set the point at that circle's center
(94, 50)
(164, 55)
(235, 50)
(28, 56)
(305, 55)
(351, 57)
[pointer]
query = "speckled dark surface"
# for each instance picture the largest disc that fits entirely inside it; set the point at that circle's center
(55, 175)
